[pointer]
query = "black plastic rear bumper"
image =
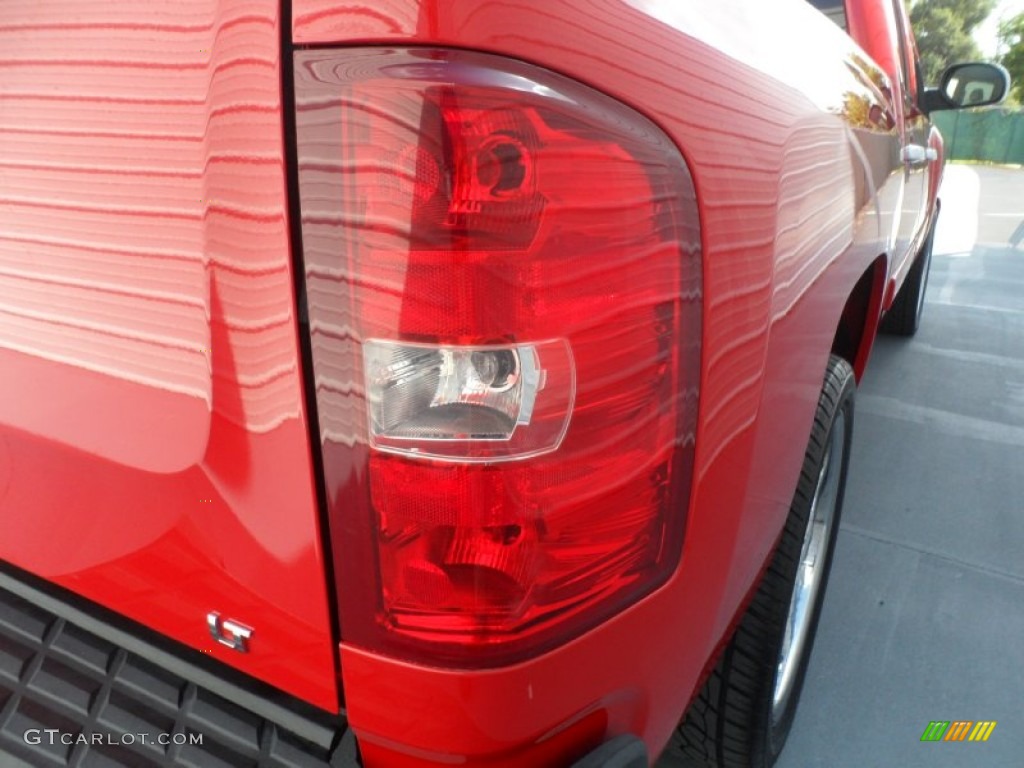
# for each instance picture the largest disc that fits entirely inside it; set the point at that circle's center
(81, 687)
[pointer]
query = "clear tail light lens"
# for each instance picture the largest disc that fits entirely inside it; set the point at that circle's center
(503, 273)
(467, 403)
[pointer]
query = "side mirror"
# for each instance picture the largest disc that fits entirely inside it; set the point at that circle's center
(975, 84)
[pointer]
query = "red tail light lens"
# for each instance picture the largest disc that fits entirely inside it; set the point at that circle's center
(503, 274)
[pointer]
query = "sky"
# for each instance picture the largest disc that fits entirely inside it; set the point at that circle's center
(985, 35)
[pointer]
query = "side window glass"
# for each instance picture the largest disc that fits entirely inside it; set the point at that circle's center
(834, 9)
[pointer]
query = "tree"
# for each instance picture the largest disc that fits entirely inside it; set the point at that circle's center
(943, 29)
(1011, 40)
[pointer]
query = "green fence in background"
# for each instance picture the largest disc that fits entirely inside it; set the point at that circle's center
(991, 135)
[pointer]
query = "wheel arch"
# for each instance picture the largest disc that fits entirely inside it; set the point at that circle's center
(858, 322)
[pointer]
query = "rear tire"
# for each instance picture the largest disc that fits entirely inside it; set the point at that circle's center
(904, 316)
(745, 711)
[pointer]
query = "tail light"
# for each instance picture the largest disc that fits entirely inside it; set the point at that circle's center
(503, 275)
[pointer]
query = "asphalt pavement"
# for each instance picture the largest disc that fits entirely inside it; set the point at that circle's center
(924, 616)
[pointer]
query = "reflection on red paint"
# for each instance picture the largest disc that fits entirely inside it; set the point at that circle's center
(745, 116)
(150, 386)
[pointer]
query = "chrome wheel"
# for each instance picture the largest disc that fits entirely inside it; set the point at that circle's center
(812, 568)
(745, 711)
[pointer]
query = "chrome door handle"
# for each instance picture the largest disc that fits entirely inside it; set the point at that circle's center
(915, 154)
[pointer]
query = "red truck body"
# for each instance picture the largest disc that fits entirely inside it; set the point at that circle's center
(175, 436)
